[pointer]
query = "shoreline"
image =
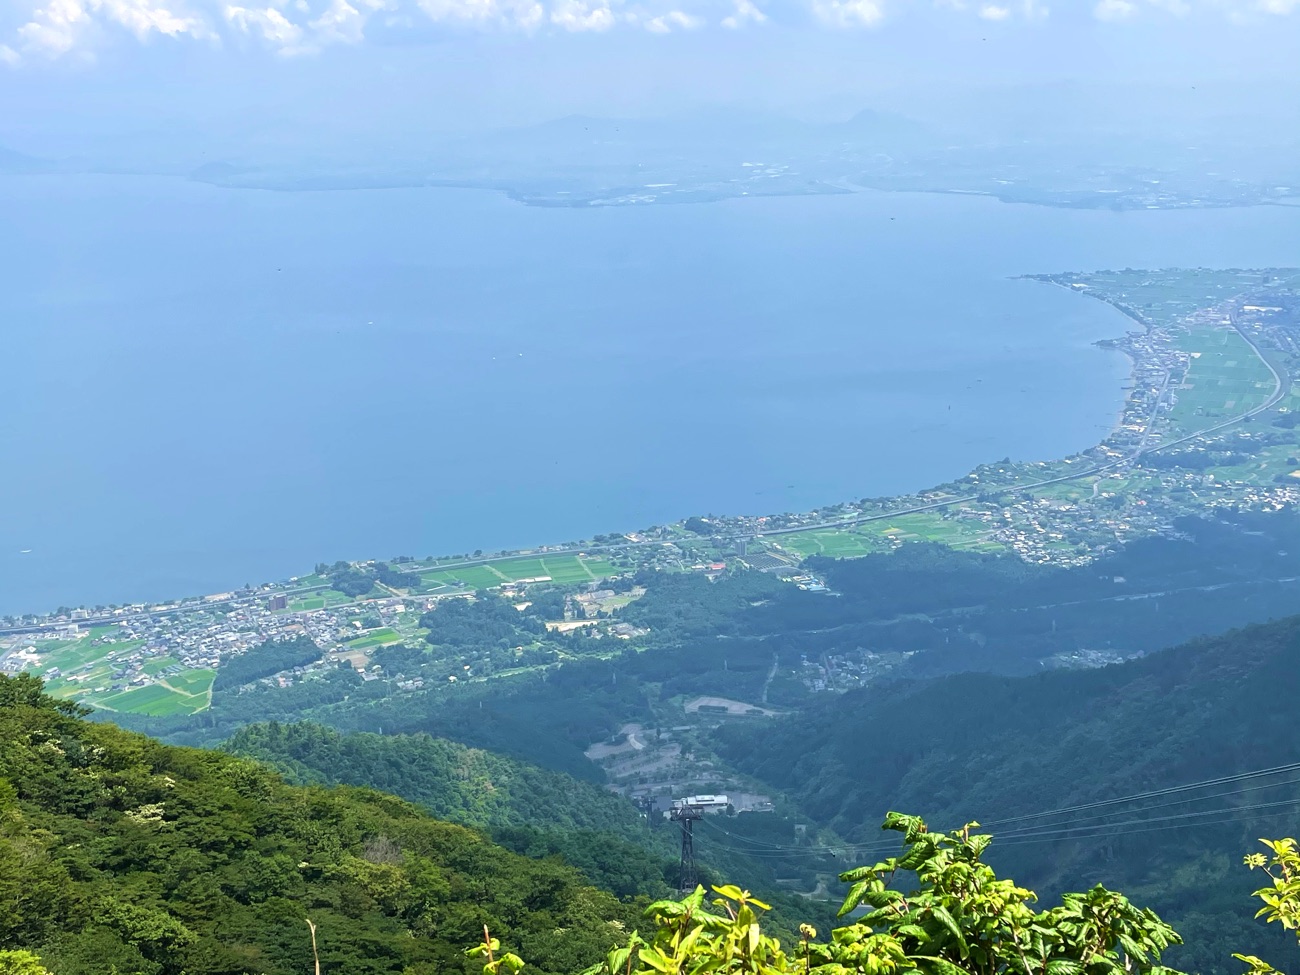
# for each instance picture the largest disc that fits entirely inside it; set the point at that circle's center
(1109, 344)
(174, 605)
(1065, 514)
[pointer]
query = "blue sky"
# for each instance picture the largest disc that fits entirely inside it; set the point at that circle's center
(143, 75)
(79, 29)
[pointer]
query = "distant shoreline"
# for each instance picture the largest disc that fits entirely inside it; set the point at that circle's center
(1109, 345)
(575, 547)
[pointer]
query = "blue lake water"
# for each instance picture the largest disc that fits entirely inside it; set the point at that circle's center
(204, 388)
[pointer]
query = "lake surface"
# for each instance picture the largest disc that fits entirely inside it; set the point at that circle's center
(206, 387)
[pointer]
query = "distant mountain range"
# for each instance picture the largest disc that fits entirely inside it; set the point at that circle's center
(14, 163)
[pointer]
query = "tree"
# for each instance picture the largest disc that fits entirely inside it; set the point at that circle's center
(961, 919)
(20, 963)
(698, 525)
(1281, 897)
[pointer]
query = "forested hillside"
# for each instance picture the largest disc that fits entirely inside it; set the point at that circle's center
(1003, 750)
(524, 808)
(120, 854)
(919, 738)
(530, 811)
(464, 785)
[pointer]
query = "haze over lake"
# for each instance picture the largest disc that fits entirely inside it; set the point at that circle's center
(207, 387)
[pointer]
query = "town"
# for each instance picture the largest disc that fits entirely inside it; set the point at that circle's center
(1212, 420)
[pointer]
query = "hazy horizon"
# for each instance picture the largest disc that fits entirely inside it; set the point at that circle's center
(176, 81)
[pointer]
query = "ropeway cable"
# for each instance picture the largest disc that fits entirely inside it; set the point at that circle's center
(1087, 820)
(1138, 826)
(1155, 829)
(1064, 833)
(1154, 794)
(1040, 832)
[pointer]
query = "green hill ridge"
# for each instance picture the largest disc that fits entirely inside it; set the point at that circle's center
(121, 854)
(530, 810)
(993, 748)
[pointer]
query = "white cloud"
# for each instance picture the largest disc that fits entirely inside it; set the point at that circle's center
(50, 29)
(53, 29)
(1114, 9)
(523, 14)
(577, 15)
(848, 13)
(60, 25)
(745, 13)
(341, 22)
(144, 17)
(272, 25)
(671, 21)
(1121, 10)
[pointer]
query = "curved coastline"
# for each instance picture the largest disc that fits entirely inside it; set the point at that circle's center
(892, 513)
(1067, 409)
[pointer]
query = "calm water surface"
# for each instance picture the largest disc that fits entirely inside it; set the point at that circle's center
(204, 388)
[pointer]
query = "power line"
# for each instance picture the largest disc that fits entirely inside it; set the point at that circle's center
(1087, 820)
(1088, 827)
(1098, 828)
(1156, 829)
(1097, 831)
(1154, 794)
(746, 839)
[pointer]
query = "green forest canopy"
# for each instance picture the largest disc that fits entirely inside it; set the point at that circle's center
(121, 854)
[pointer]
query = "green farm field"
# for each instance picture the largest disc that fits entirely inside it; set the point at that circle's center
(1226, 378)
(566, 569)
(468, 577)
(194, 682)
(835, 542)
(931, 526)
(1165, 296)
(153, 700)
(569, 569)
(156, 665)
(877, 536)
(523, 568)
(562, 569)
(378, 638)
(77, 653)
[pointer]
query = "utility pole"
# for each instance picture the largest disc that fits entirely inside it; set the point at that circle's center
(687, 876)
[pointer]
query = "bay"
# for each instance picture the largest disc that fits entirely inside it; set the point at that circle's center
(206, 387)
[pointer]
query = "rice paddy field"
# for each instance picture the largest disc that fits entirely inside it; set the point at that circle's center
(839, 543)
(882, 535)
(1170, 294)
(184, 693)
(1226, 378)
(562, 569)
(376, 638)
